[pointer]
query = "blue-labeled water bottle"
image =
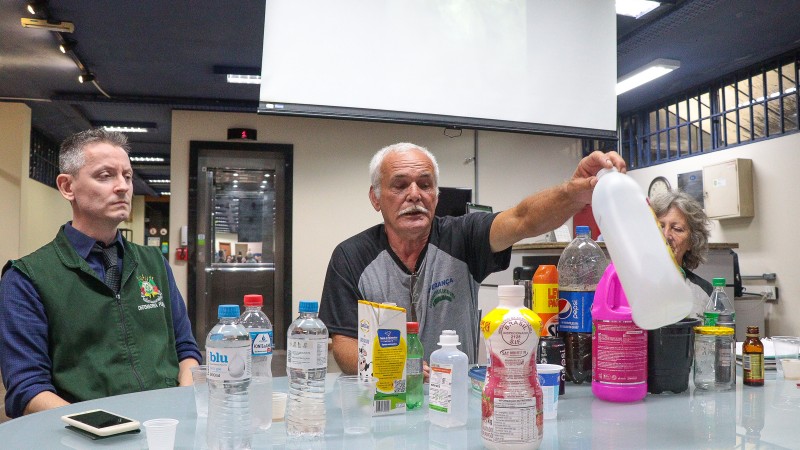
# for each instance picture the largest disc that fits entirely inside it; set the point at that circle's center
(228, 360)
(260, 329)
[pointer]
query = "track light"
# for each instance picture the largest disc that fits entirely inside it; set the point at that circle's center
(36, 8)
(85, 77)
(67, 45)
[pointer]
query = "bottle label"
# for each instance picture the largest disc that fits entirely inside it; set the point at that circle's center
(545, 304)
(441, 387)
(575, 314)
(261, 342)
(753, 367)
(413, 366)
(511, 392)
(514, 421)
(229, 363)
(710, 318)
(619, 353)
(306, 353)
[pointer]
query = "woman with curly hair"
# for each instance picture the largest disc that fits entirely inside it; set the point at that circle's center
(686, 229)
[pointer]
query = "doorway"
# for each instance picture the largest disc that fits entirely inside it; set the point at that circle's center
(239, 231)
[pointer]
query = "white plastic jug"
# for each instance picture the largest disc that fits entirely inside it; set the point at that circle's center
(653, 282)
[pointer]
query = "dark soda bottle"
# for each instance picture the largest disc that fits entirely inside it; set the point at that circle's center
(580, 268)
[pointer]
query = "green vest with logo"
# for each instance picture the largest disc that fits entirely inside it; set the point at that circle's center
(101, 344)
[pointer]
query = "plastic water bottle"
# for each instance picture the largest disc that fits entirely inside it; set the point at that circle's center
(579, 270)
(307, 365)
(414, 375)
(228, 359)
(719, 309)
(449, 381)
(653, 281)
(512, 411)
(619, 347)
(260, 329)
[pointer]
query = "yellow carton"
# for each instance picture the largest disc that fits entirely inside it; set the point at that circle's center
(382, 354)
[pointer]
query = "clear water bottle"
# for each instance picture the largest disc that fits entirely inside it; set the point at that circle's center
(260, 329)
(719, 310)
(449, 381)
(414, 374)
(580, 268)
(228, 359)
(306, 365)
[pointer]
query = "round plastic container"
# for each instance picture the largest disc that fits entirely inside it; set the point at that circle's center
(653, 282)
(714, 353)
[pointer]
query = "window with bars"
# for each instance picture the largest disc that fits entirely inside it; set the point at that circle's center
(43, 159)
(751, 105)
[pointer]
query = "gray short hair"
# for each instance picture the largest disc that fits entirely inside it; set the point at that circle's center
(401, 147)
(71, 158)
(695, 217)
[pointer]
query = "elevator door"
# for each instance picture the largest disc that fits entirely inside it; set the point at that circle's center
(239, 239)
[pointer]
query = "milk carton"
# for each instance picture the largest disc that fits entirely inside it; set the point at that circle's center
(382, 354)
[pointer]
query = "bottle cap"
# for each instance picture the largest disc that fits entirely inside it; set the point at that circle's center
(412, 327)
(448, 337)
(581, 229)
(511, 290)
(718, 282)
(253, 300)
(228, 311)
(308, 306)
(714, 331)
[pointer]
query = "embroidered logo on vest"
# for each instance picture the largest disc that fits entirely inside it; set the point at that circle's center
(441, 295)
(149, 292)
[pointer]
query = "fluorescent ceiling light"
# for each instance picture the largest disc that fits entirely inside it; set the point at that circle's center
(147, 159)
(244, 79)
(635, 8)
(646, 74)
(126, 129)
(159, 181)
(166, 193)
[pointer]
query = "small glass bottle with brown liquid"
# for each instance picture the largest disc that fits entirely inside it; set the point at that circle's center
(753, 358)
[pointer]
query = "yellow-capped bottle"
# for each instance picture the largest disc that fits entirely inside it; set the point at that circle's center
(512, 413)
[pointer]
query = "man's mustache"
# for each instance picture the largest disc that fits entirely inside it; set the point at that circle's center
(413, 209)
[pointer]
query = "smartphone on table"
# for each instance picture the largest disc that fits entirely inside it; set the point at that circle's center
(100, 422)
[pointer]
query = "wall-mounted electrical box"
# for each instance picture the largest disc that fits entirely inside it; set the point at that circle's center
(728, 189)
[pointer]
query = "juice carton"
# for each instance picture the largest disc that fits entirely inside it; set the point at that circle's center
(382, 354)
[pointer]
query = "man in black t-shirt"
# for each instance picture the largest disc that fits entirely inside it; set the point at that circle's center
(433, 266)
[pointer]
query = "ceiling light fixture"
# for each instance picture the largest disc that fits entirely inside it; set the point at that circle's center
(67, 45)
(159, 181)
(240, 75)
(147, 159)
(35, 8)
(635, 8)
(85, 77)
(646, 73)
(125, 127)
(243, 79)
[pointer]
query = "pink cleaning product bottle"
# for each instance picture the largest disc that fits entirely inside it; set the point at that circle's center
(619, 347)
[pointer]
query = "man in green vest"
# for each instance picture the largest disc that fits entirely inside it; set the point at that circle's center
(90, 314)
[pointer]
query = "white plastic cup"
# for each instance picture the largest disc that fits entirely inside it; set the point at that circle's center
(786, 353)
(160, 433)
(278, 406)
(656, 289)
(357, 397)
(549, 380)
(200, 386)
